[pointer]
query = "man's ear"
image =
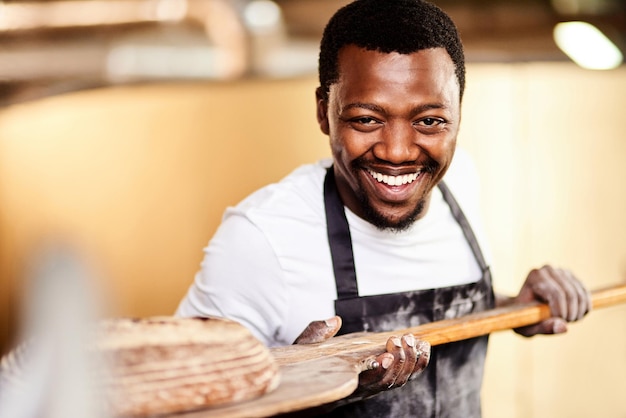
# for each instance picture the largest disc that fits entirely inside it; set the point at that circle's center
(322, 110)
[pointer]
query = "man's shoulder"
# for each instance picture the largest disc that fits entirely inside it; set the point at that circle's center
(300, 192)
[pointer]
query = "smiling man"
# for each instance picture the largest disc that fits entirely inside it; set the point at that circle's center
(386, 234)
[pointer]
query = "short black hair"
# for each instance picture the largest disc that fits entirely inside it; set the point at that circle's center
(403, 26)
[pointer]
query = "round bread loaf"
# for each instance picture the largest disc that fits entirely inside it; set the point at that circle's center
(164, 364)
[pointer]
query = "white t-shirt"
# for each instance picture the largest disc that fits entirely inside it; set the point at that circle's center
(269, 265)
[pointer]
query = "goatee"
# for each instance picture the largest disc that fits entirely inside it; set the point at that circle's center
(378, 219)
(384, 223)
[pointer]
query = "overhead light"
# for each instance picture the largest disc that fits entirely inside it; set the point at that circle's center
(587, 46)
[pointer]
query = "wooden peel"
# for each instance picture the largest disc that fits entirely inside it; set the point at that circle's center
(317, 374)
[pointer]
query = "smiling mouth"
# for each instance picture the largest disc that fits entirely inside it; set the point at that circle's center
(394, 180)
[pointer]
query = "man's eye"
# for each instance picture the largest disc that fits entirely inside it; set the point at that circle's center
(365, 120)
(431, 122)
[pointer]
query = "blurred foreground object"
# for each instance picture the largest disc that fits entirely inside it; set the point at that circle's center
(70, 363)
(48, 375)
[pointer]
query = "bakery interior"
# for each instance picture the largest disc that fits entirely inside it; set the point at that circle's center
(128, 126)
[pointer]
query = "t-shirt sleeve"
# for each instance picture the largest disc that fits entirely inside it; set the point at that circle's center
(240, 278)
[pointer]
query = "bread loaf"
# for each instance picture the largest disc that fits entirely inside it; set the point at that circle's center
(164, 365)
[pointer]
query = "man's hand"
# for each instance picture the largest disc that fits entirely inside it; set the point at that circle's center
(318, 331)
(568, 299)
(404, 359)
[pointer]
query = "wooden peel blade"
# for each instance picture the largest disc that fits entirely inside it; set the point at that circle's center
(318, 374)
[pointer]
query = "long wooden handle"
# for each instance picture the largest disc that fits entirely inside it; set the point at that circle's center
(608, 296)
(358, 346)
(508, 317)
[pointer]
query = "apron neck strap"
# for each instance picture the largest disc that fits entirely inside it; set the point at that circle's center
(468, 232)
(339, 239)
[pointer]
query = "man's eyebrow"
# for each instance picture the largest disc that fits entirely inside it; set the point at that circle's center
(367, 106)
(376, 108)
(427, 106)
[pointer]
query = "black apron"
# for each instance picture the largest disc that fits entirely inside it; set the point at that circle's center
(450, 385)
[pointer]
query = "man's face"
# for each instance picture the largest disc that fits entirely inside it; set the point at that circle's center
(392, 120)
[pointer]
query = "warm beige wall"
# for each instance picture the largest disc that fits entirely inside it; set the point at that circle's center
(139, 177)
(550, 143)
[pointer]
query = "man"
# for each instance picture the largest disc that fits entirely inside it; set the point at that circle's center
(392, 77)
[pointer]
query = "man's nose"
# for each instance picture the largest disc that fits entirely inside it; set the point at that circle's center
(398, 143)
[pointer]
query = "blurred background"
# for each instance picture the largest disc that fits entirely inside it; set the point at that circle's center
(52, 46)
(128, 126)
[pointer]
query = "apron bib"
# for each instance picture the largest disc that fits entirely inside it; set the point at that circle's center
(450, 385)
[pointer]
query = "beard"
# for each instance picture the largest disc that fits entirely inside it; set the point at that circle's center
(385, 223)
(379, 219)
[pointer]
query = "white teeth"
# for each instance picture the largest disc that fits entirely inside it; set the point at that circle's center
(394, 180)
